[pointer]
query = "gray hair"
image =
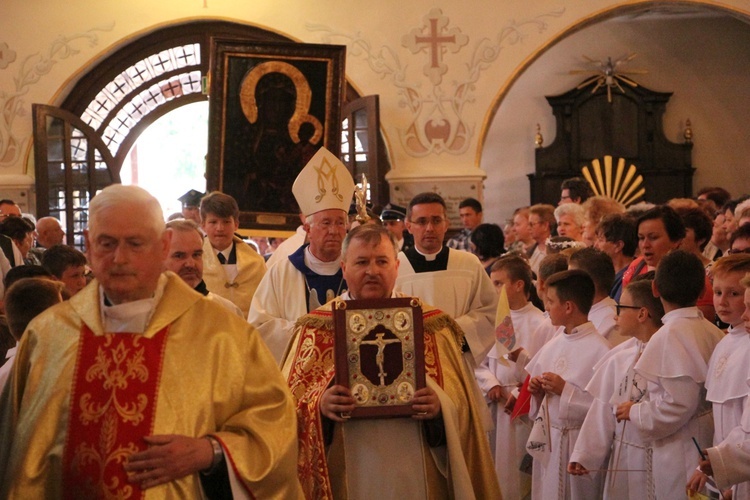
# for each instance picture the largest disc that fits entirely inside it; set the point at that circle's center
(309, 218)
(118, 194)
(184, 226)
(369, 233)
(572, 209)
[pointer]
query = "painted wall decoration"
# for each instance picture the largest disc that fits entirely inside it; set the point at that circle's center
(31, 69)
(437, 107)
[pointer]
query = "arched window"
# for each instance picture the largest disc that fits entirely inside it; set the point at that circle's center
(87, 139)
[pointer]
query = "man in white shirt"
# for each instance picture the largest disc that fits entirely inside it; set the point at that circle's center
(453, 281)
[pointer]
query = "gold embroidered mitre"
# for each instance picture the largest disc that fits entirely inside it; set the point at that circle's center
(323, 184)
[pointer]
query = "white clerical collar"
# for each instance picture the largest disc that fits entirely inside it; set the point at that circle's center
(428, 256)
(320, 267)
(130, 317)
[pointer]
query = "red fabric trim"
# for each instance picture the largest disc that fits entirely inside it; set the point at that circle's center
(112, 407)
(312, 371)
(228, 456)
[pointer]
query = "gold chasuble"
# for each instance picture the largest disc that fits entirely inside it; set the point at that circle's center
(80, 400)
(462, 469)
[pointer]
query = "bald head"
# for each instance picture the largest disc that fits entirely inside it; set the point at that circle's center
(49, 232)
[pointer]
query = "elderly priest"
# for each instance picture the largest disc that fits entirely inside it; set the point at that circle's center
(440, 451)
(139, 387)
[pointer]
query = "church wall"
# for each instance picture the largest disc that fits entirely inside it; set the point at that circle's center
(705, 62)
(435, 122)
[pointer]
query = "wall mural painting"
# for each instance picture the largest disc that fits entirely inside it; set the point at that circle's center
(437, 109)
(30, 70)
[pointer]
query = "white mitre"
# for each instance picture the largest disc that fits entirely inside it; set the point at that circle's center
(323, 184)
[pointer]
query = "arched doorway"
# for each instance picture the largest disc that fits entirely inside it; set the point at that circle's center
(695, 50)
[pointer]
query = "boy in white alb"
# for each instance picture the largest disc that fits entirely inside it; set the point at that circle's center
(550, 265)
(729, 461)
(629, 475)
(674, 364)
(559, 373)
(602, 314)
(728, 369)
(497, 378)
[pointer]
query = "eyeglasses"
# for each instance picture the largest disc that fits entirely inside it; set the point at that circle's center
(425, 221)
(620, 306)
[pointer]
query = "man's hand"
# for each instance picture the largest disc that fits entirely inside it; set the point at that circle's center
(510, 404)
(696, 483)
(535, 385)
(426, 404)
(552, 383)
(577, 469)
(167, 458)
(513, 355)
(705, 465)
(495, 394)
(337, 403)
(623, 411)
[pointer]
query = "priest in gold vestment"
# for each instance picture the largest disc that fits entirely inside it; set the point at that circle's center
(139, 387)
(441, 451)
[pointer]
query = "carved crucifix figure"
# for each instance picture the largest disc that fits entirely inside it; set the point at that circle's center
(380, 356)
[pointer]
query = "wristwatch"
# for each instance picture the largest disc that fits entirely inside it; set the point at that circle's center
(217, 457)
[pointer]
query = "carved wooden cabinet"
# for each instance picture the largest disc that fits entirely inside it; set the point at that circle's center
(630, 127)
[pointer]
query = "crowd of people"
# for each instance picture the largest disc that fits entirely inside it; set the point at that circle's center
(587, 350)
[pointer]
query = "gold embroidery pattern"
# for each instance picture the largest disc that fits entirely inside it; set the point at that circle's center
(86, 455)
(113, 407)
(327, 174)
(115, 368)
(312, 371)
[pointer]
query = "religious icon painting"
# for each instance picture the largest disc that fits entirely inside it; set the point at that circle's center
(272, 105)
(380, 354)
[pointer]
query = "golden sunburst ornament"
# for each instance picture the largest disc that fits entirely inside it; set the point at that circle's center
(608, 74)
(625, 189)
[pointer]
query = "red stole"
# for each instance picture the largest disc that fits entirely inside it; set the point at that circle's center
(311, 373)
(112, 407)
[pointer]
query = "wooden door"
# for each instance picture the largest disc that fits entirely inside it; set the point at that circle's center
(72, 164)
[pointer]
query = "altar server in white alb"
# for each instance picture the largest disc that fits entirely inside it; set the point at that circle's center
(728, 369)
(602, 314)
(629, 475)
(559, 373)
(674, 364)
(498, 378)
(311, 276)
(729, 461)
(453, 281)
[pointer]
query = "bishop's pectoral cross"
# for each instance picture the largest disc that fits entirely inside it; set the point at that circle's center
(380, 356)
